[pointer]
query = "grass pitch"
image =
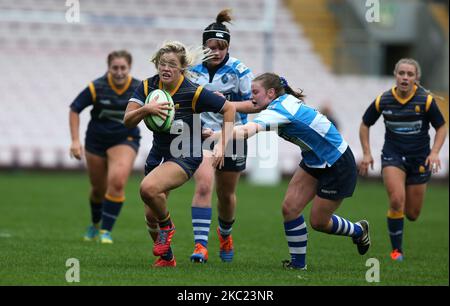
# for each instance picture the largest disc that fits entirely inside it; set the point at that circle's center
(43, 217)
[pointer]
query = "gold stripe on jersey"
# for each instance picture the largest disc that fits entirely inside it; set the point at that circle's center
(377, 103)
(196, 95)
(146, 87)
(117, 90)
(428, 103)
(92, 90)
(174, 91)
(405, 100)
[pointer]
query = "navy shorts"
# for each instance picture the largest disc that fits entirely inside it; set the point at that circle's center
(99, 146)
(338, 181)
(235, 157)
(413, 166)
(157, 157)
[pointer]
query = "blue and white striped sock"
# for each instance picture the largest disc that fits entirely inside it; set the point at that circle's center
(201, 221)
(344, 227)
(297, 238)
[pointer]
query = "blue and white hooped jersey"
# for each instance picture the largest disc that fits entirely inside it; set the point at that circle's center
(233, 79)
(304, 126)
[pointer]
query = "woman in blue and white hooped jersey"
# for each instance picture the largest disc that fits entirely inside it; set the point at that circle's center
(231, 78)
(327, 172)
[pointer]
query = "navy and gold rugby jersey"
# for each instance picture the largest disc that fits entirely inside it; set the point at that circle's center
(109, 105)
(407, 120)
(189, 99)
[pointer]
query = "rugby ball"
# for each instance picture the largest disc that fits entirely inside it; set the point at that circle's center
(154, 122)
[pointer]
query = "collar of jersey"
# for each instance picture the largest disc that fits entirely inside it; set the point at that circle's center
(405, 100)
(117, 90)
(213, 70)
(160, 85)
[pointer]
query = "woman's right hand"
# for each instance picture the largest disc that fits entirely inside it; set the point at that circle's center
(159, 109)
(76, 150)
(364, 164)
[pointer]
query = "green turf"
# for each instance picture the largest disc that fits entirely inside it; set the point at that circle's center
(43, 217)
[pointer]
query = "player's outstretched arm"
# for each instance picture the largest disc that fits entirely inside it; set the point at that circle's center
(246, 131)
(241, 132)
(247, 107)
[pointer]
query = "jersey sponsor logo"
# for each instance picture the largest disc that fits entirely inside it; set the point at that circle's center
(404, 128)
(417, 109)
(387, 112)
(113, 115)
(105, 102)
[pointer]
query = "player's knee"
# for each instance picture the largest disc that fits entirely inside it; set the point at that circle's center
(412, 215)
(116, 186)
(149, 192)
(203, 190)
(397, 202)
(318, 224)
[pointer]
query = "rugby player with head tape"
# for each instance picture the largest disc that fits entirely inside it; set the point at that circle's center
(231, 78)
